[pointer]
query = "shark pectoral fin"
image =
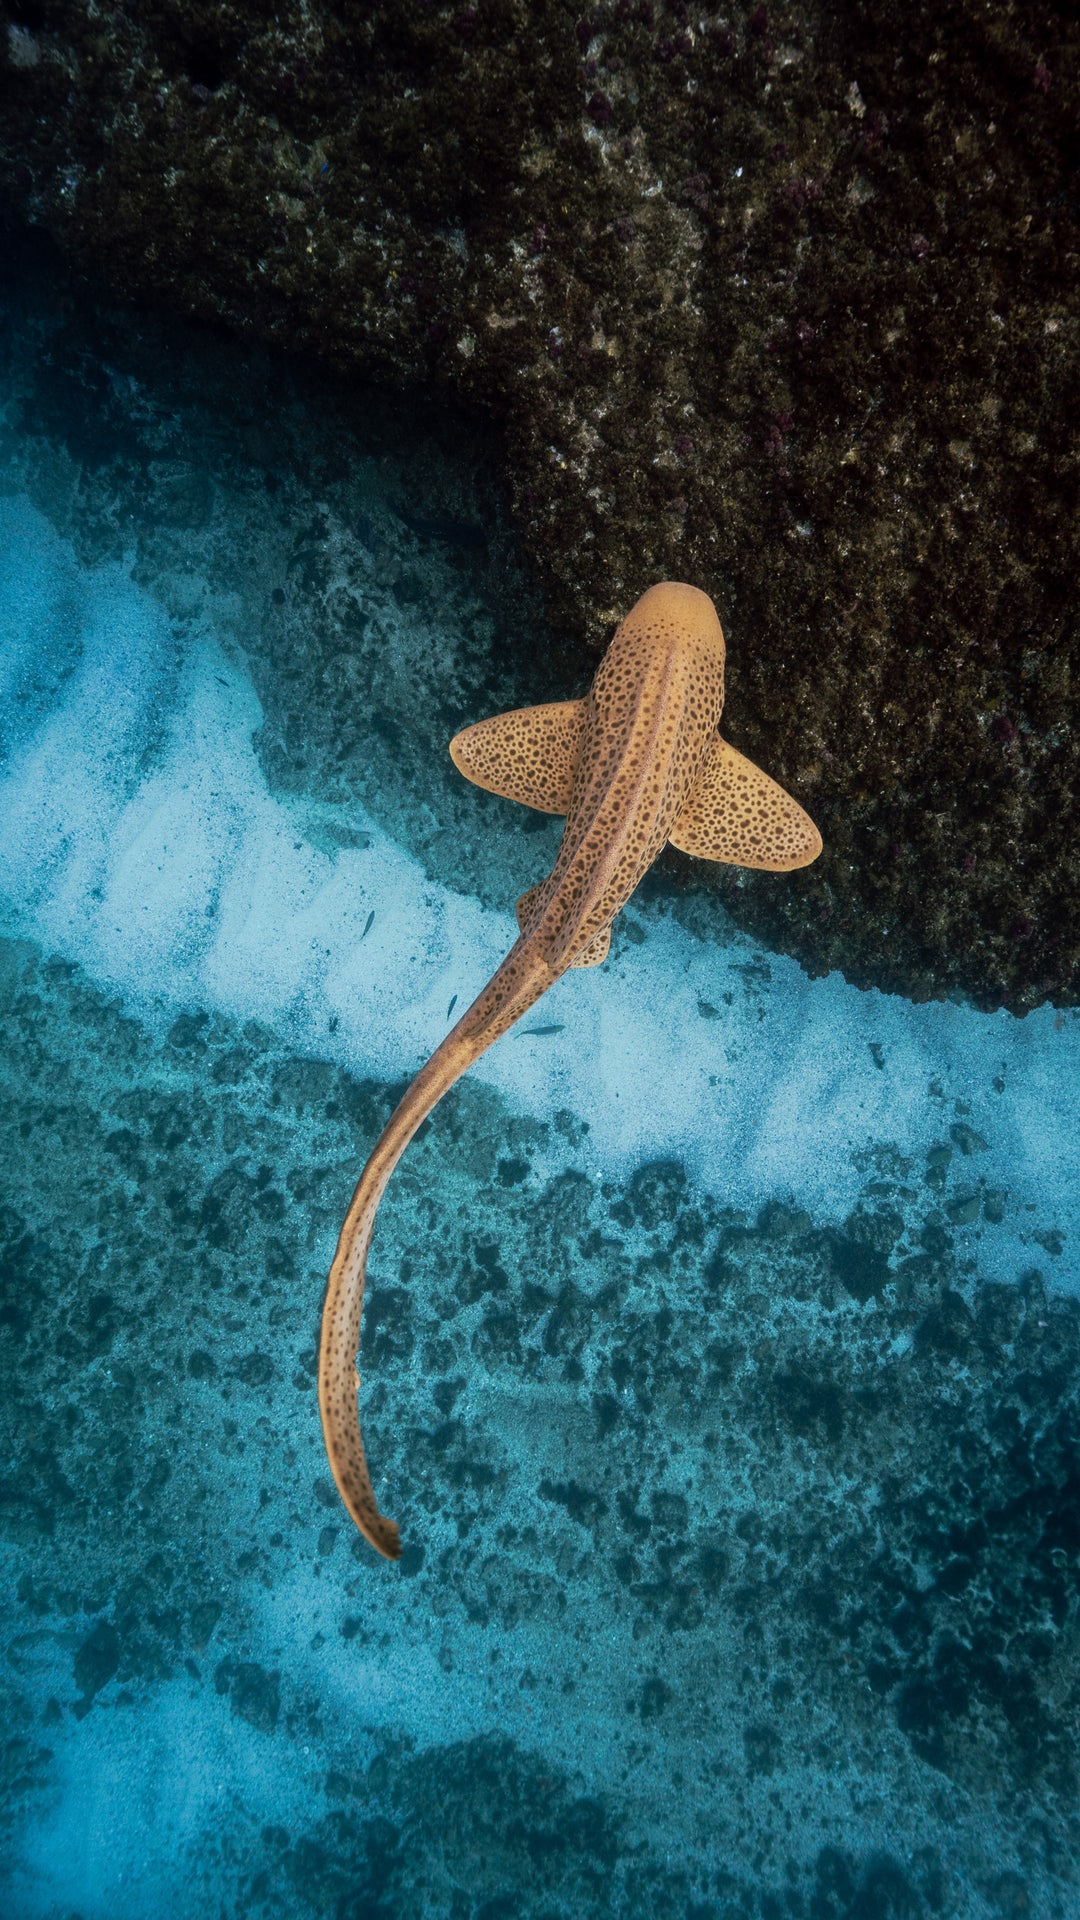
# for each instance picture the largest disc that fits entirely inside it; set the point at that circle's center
(596, 951)
(526, 904)
(736, 813)
(530, 754)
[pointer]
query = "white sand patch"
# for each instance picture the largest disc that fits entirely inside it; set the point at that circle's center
(141, 840)
(141, 1795)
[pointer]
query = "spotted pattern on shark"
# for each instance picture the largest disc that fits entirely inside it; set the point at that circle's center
(636, 764)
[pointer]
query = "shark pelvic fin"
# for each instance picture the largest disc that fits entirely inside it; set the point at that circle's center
(736, 813)
(596, 951)
(529, 754)
(590, 956)
(526, 904)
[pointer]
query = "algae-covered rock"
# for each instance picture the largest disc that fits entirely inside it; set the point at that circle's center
(779, 299)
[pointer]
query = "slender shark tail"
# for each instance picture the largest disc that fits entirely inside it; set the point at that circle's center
(519, 982)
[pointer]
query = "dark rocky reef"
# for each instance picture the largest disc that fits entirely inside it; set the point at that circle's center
(778, 1519)
(779, 299)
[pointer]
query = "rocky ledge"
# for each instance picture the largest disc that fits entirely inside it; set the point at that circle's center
(779, 299)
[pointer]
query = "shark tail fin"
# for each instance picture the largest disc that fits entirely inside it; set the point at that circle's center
(511, 991)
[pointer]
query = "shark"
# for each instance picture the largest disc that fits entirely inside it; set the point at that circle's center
(637, 764)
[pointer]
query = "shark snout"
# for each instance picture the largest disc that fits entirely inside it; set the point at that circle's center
(674, 606)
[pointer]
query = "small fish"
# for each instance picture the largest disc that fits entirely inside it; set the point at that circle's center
(635, 766)
(367, 928)
(539, 1030)
(453, 1004)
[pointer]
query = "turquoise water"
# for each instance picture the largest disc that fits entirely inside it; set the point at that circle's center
(722, 1343)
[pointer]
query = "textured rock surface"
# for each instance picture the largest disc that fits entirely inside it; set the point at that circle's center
(780, 300)
(756, 1540)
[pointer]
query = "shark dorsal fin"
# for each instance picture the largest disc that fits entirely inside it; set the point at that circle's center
(736, 813)
(529, 754)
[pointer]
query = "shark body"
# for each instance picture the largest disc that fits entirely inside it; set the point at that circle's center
(636, 764)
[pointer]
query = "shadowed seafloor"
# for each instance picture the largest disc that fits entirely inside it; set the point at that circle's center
(721, 1353)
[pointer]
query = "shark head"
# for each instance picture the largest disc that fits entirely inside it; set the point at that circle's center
(673, 610)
